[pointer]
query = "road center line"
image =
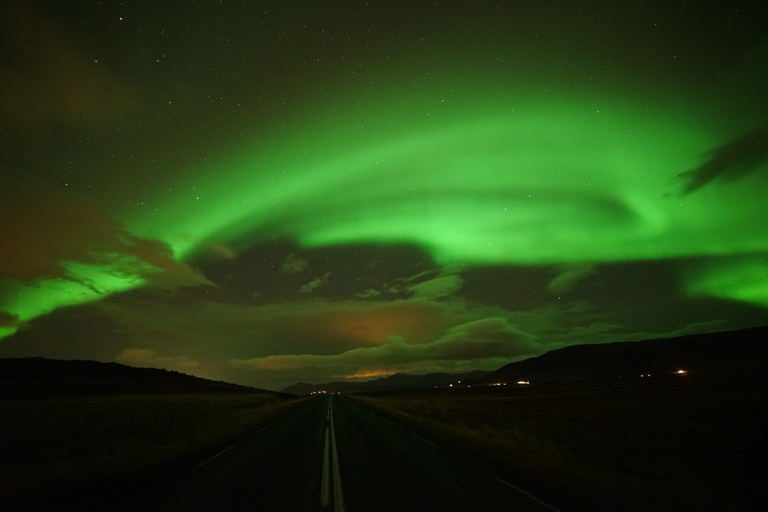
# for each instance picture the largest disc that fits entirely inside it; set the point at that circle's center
(338, 495)
(206, 461)
(263, 429)
(428, 442)
(534, 498)
(325, 486)
(331, 467)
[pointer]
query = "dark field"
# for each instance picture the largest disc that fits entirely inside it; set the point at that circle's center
(678, 442)
(73, 449)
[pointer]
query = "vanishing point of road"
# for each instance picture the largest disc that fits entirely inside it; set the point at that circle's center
(333, 454)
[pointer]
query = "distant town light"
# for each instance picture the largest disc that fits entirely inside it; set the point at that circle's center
(681, 372)
(523, 382)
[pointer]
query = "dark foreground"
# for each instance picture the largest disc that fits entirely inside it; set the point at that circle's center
(333, 454)
(667, 443)
(689, 443)
(328, 453)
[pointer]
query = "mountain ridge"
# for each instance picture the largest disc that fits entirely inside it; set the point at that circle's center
(39, 377)
(737, 351)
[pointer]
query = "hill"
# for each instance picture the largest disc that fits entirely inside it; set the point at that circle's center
(37, 377)
(712, 353)
(78, 435)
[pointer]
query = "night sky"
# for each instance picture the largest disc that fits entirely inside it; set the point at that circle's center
(267, 192)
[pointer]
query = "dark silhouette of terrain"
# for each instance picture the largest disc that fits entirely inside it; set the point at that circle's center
(741, 351)
(38, 377)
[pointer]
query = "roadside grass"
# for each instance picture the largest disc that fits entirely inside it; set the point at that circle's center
(60, 443)
(685, 444)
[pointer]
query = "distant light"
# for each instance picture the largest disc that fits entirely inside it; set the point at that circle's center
(523, 382)
(681, 371)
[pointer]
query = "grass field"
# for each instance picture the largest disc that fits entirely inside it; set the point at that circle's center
(69, 442)
(675, 443)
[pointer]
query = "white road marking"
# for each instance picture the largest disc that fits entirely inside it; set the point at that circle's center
(338, 495)
(263, 429)
(428, 442)
(534, 498)
(331, 467)
(385, 419)
(325, 494)
(206, 461)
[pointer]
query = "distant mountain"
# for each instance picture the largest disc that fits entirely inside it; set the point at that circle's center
(398, 381)
(37, 377)
(713, 353)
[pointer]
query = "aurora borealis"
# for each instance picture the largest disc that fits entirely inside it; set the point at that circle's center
(266, 194)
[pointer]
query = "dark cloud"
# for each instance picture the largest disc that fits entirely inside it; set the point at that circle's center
(77, 332)
(45, 230)
(316, 283)
(149, 358)
(487, 339)
(568, 275)
(435, 288)
(8, 319)
(731, 161)
(277, 269)
(293, 264)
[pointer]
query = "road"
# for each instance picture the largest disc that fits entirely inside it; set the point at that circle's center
(332, 454)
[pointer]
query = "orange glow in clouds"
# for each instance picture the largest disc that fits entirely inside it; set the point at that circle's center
(378, 372)
(417, 324)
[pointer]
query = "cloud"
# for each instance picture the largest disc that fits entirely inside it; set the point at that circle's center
(9, 319)
(219, 252)
(149, 358)
(438, 287)
(367, 374)
(293, 264)
(692, 328)
(569, 275)
(315, 284)
(731, 161)
(308, 326)
(47, 233)
(369, 293)
(487, 339)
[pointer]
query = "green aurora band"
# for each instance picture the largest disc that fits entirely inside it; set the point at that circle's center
(488, 178)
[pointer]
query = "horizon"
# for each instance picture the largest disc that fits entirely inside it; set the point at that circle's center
(313, 193)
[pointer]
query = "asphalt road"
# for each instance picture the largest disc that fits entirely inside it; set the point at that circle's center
(333, 454)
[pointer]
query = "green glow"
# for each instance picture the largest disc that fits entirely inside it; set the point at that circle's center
(745, 279)
(487, 177)
(85, 283)
(475, 183)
